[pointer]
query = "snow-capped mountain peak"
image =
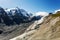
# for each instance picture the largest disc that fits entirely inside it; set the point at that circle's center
(17, 10)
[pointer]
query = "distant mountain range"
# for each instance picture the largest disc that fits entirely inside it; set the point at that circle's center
(16, 16)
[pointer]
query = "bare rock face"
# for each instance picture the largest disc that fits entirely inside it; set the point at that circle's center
(48, 30)
(8, 32)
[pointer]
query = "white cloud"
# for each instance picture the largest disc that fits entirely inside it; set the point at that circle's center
(42, 13)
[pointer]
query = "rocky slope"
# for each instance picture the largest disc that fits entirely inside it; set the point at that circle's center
(11, 31)
(15, 21)
(49, 29)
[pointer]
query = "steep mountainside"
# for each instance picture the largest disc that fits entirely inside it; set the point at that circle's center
(14, 22)
(49, 29)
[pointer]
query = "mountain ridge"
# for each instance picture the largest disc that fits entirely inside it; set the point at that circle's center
(16, 16)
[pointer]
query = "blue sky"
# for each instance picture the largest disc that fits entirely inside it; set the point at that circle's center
(32, 5)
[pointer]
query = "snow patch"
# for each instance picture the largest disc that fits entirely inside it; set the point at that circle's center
(42, 14)
(57, 10)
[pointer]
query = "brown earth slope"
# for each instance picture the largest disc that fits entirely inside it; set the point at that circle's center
(48, 30)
